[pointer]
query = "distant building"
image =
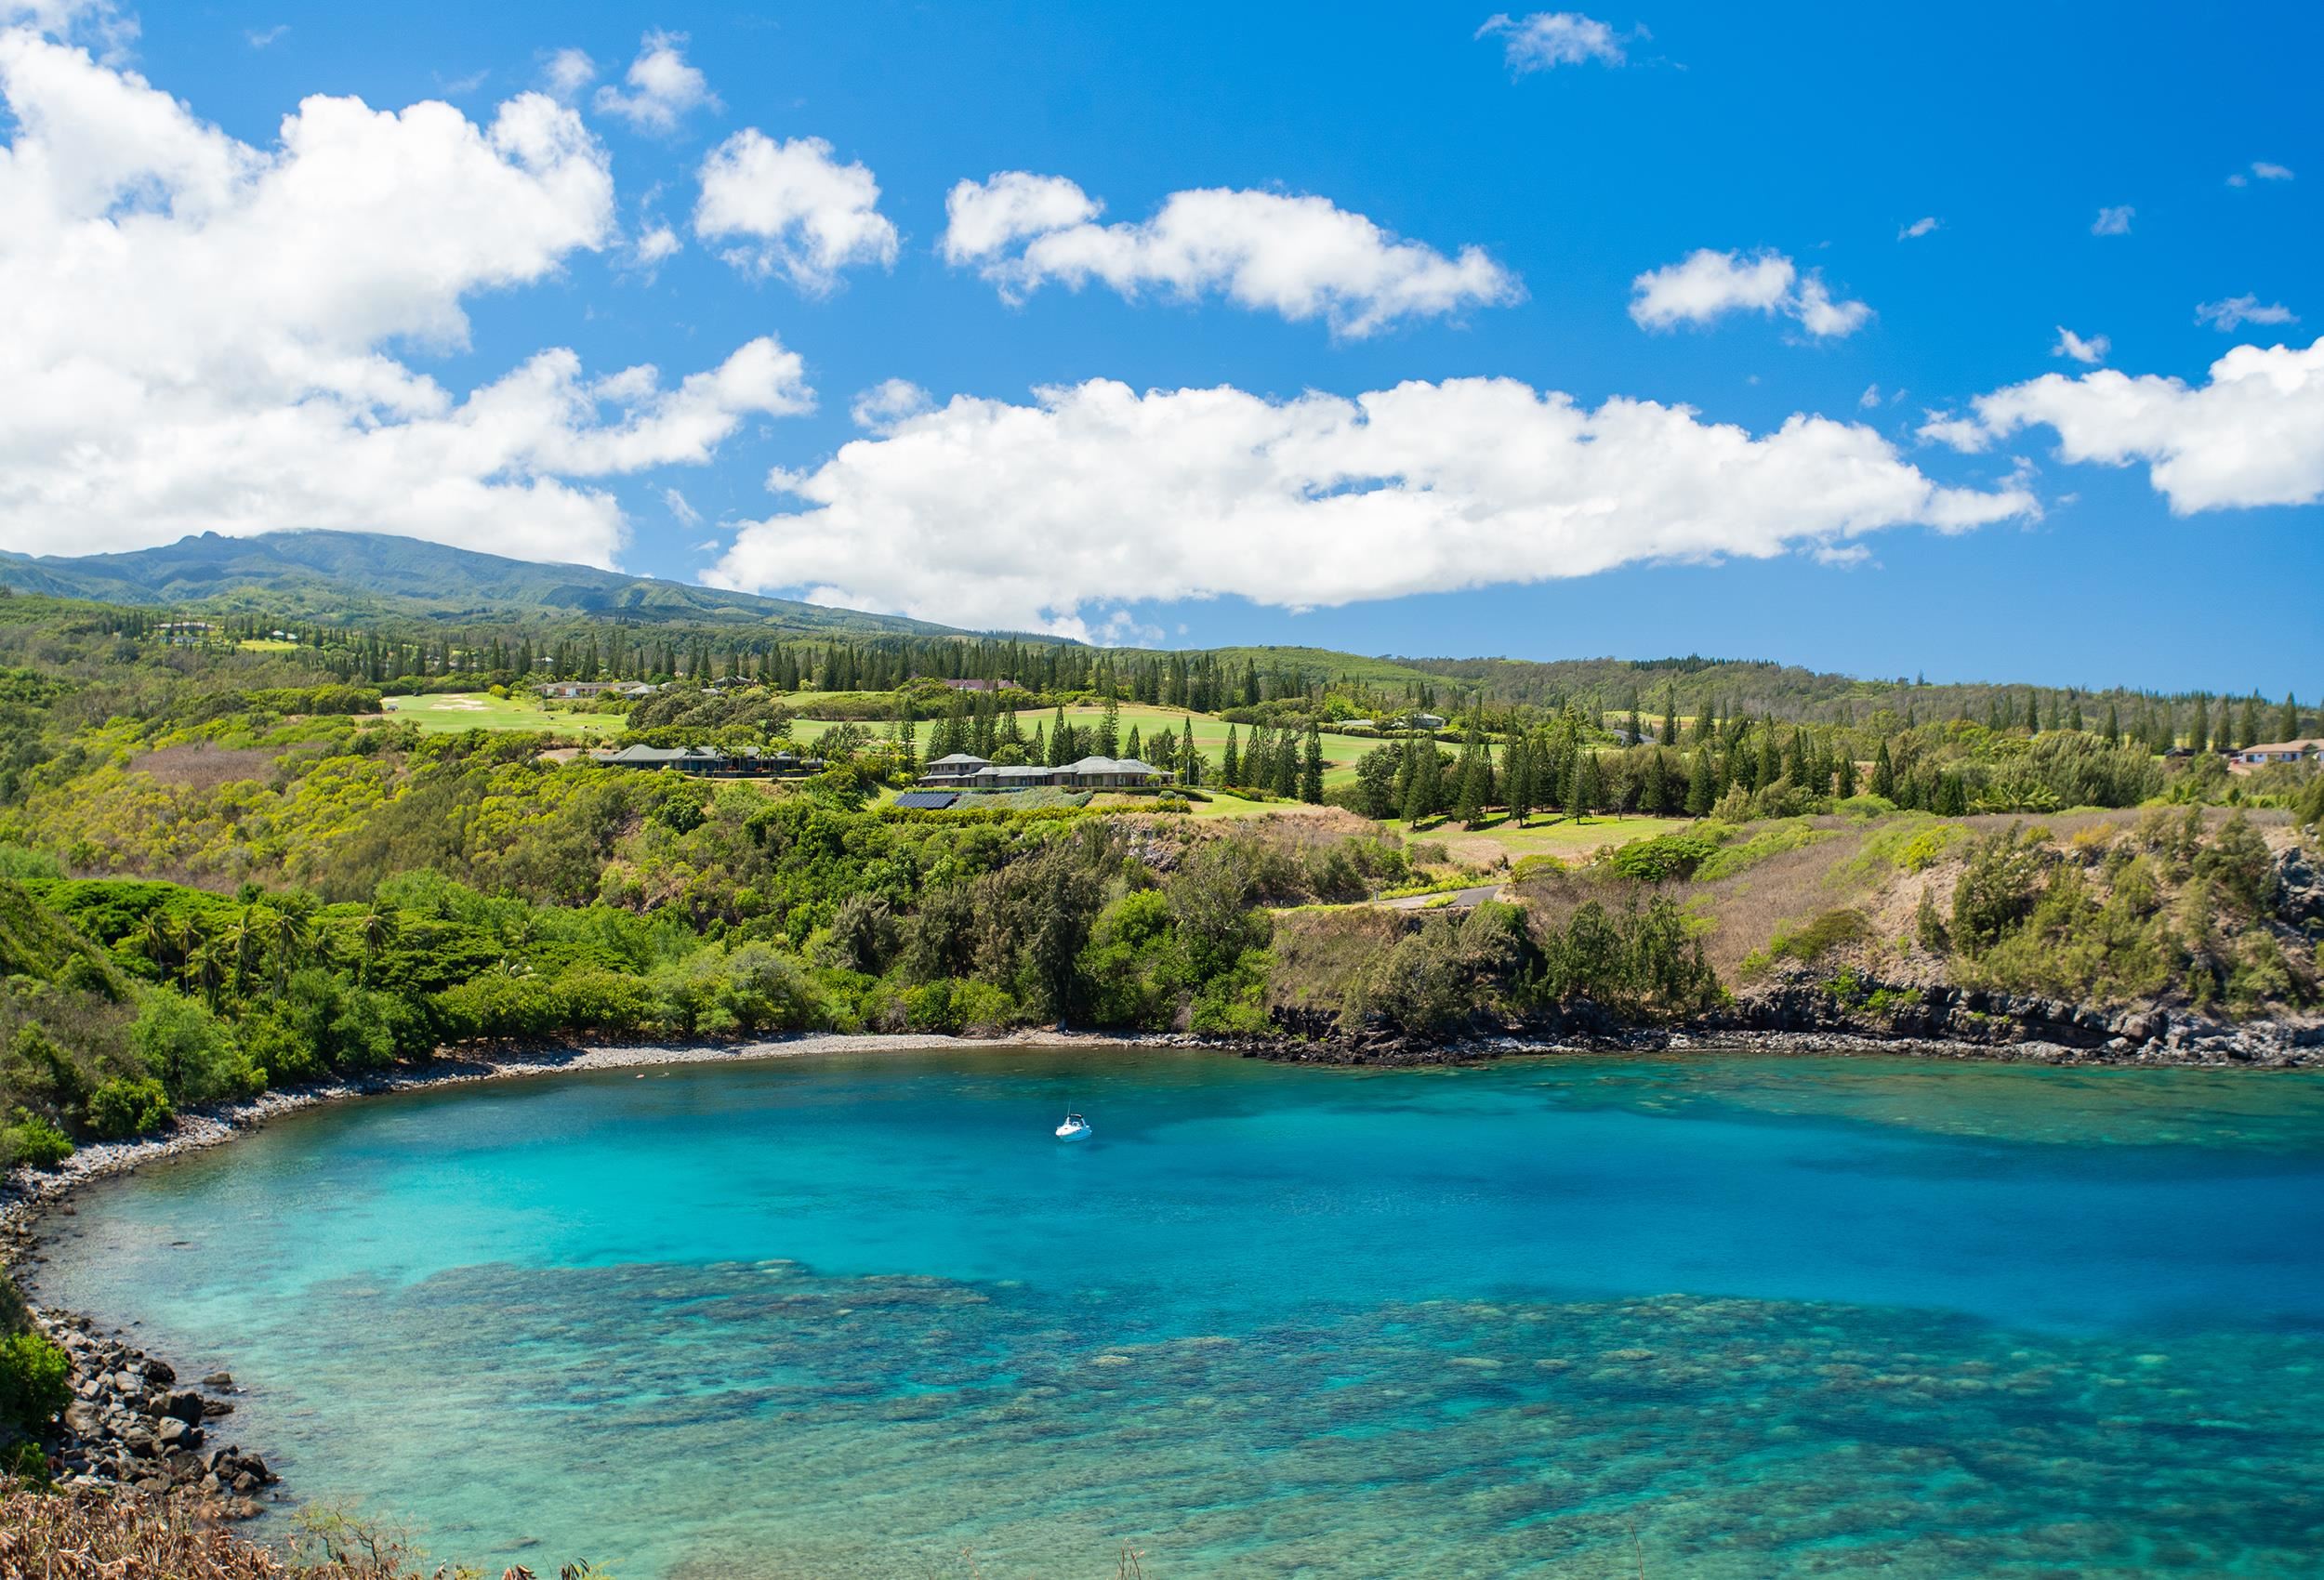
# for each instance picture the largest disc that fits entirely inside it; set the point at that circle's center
(568, 691)
(748, 763)
(962, 771)
(2306, 750)
(1424, 721)
(982, 685)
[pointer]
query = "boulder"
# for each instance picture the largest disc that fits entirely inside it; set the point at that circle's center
(219, 1379)
(159, 1372)
(185, 1404)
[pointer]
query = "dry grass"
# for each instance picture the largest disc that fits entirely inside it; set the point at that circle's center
(204, 767)
(1318, 952)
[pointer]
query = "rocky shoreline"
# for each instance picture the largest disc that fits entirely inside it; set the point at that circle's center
(131, 1425)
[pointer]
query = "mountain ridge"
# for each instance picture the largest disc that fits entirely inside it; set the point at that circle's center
(325, 572)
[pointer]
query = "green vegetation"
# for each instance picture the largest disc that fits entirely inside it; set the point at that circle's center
(231, 859)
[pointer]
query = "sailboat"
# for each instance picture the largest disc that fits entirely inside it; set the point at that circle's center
(1076, 1128)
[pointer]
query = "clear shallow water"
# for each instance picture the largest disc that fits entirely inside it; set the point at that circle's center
(849, 1316)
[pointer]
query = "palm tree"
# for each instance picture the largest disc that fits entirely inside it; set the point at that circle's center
(289, 936)
(375, 929)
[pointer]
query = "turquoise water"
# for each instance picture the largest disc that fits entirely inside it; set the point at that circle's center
(855, 1316)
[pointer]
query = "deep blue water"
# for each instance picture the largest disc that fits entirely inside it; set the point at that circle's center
(852, 1315)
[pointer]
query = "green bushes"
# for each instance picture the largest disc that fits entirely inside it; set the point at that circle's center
(123, 1108)
(190, 1051)
(1664, 858)
(1998, 885)
(31, 1140)
(35, 1382)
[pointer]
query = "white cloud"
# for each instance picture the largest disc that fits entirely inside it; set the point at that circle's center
(2262, 169)
(805, 215)
(193, 330)
(1921, 226)
(654, 245)
(568, 72)
(2113, 222)
(989, 513)
(889, 402)
(1709, 285)
(258, 38)
(683, 513)
(2235, 311)
(663, 88)
(2070, 344)
(1301, 257)
(1870, 397)
(2253, 435)
(1544, 39)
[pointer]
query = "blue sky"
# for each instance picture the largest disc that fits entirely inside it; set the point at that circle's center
(1816, 138)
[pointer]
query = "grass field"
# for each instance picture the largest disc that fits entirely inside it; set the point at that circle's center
(1562, 837)
(455, 711)
(1339, 751)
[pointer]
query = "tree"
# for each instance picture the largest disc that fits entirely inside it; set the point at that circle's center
(1133, 747)
(1847, 786)
(1589, 785)
(2112, 733)
(1230, 764)
(1883, 774)
(1517, 769)
(1285, 762)
(1376, 776)
(1109, 741)
(1469, 794)
(1702, 788)
(2288, 721)
(1670, 716)
(1311, 769)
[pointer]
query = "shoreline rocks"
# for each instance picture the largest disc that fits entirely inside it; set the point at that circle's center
(130, 1425)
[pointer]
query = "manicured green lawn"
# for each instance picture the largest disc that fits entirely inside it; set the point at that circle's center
(456, 711)
(1339, 751)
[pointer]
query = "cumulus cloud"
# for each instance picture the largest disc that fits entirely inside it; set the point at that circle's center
(2232, 313)
(663, 88)
(655, 244)
(889, 402)
(1921, 226)
(193, 329)
(792, 209)
(2252, 435)
(568, 72)
(1544, 39)
(1304, 257)
(1709, 285)
(2113, 222)
(2072, 344)
(986, 512)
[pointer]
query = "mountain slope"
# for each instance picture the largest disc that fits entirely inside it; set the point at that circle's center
(326, 573)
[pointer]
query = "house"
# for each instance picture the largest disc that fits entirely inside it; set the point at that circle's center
(568, 691)
(926, 800)
(1424, 721)
(748, 763)
(961, 771)
(2305, 750)
(982, 685)
(956, 772)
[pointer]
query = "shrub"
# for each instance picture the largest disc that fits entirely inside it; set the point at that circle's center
(1663, 858)
(1997, 887)
(190, 1050)
(33, 1141)
(122, 1108)
(35, 1382)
